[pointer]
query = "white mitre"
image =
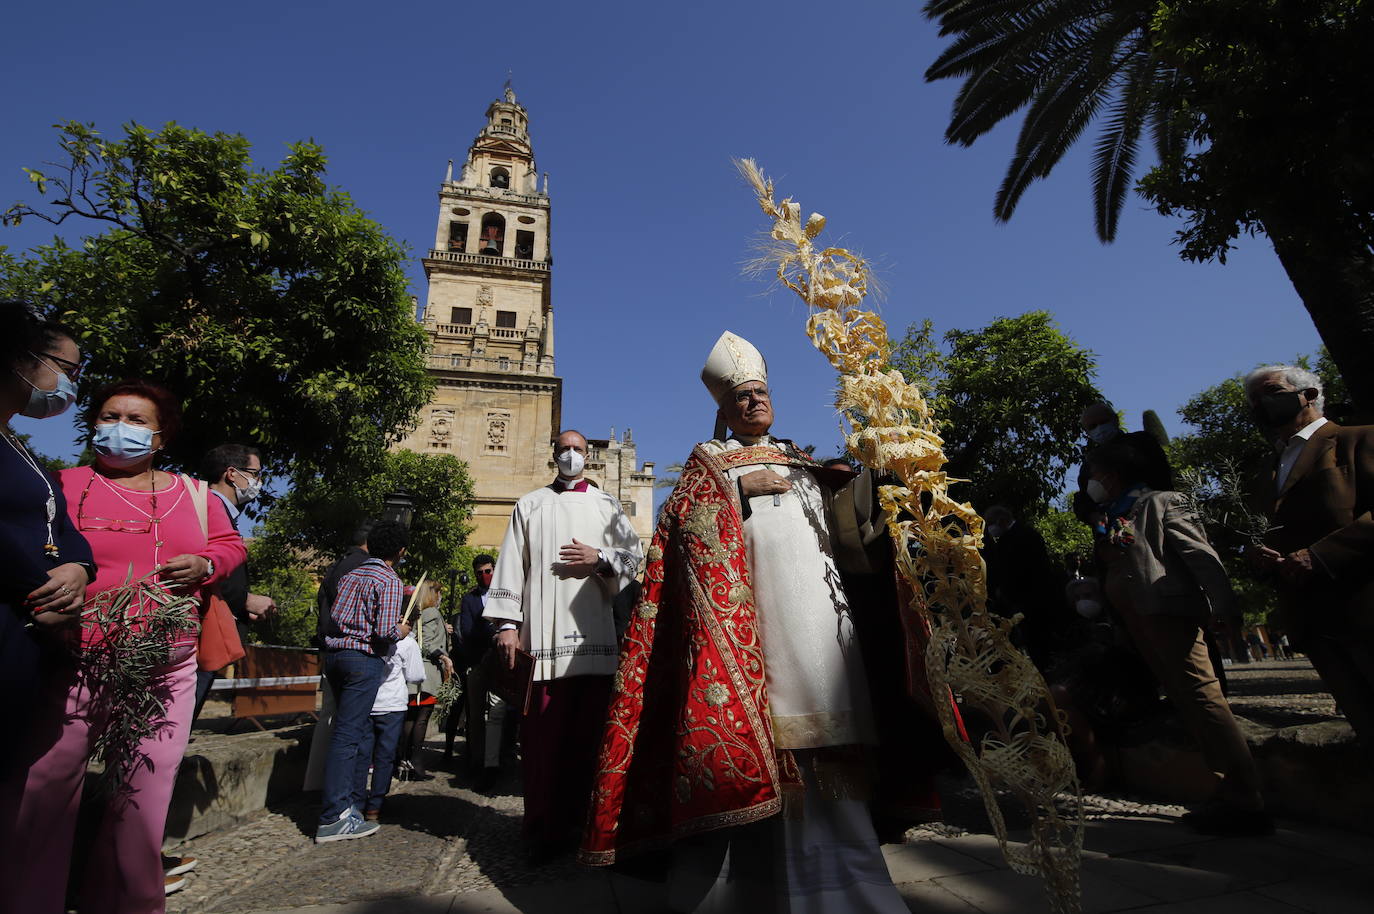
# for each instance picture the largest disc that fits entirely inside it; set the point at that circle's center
(733, 360)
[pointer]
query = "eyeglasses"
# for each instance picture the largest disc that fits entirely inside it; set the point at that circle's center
(110, 524)
(69, 368)
(256, 473)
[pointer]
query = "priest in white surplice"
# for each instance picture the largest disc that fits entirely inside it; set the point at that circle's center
(568, 551)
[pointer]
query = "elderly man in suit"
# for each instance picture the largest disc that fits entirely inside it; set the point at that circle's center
(1319, 495)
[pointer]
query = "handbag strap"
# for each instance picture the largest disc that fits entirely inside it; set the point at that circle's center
(200, 494)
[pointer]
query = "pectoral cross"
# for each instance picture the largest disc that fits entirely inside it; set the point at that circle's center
(575, 636)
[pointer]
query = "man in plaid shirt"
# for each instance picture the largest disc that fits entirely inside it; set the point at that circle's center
(366, 623)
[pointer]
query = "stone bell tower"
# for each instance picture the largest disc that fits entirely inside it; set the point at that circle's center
(488, 312)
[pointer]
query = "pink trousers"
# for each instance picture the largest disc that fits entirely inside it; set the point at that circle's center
(39, 803)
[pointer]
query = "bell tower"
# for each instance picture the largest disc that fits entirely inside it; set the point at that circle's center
(489, 315)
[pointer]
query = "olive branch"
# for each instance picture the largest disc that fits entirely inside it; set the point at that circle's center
(137, 623)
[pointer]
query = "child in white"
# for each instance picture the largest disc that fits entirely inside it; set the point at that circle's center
(403, 666)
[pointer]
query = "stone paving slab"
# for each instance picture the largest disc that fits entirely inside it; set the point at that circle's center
(446, 849)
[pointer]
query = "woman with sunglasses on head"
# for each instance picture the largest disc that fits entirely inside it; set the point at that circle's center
(142, 523)
(46, 563)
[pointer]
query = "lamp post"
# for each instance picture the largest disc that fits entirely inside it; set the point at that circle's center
(455, 576)
(399, 506)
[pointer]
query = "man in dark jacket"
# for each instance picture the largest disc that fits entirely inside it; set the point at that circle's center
(329, 585)
(486, 712)
(1023, 579)
(233, 472)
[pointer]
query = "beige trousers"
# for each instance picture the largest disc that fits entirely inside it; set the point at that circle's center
(1174, 648)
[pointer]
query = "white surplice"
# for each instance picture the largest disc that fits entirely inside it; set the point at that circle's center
(817, 691)
(567, 623)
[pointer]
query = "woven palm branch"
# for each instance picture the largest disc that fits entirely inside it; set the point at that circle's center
(1020, 754)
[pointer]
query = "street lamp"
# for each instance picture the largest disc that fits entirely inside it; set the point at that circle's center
(399, 506)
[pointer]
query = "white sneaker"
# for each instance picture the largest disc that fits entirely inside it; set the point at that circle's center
(172, 884)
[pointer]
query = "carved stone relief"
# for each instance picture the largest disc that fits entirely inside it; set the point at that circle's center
(441, 429)
(498, 431)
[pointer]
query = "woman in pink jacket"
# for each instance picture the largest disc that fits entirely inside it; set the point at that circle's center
(154, 523)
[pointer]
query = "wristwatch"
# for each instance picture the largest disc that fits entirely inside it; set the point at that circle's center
(209, 568)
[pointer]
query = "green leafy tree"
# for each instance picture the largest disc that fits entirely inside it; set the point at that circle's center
(1066, 537)
(1009, 398)
(294, 590)
(314, 522)
(1256, 109)
(266, 300)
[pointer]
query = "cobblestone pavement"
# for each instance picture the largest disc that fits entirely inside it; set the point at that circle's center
(441, 838)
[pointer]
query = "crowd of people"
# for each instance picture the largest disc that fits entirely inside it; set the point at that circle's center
(737, 702)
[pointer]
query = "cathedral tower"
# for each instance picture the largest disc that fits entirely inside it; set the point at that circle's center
(489, 316)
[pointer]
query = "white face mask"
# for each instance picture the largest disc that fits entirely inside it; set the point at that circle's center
(1103, 432)
(1096, 491)
(570, 463)
(1088, 609)
(245, 494)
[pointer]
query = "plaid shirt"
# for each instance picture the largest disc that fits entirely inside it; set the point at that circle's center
(367, 611)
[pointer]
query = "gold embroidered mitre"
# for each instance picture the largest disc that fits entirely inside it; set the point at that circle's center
(733, 360)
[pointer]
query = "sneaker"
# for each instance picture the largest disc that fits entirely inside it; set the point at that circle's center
(172, 884)
(175, 866)
(348, 825)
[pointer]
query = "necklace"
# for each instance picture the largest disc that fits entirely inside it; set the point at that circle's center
(152, 499)
(50, 506)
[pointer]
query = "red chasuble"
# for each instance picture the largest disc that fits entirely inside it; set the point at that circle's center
(688, 745)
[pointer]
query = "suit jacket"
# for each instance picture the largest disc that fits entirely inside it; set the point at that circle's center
(474, 632)
(1171, 568)
(1325, 506)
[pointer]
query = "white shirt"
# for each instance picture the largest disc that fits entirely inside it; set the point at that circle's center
(1293, 448)
(234, 510)
(403, 665)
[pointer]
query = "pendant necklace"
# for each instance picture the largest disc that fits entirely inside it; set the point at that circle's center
(50, 547)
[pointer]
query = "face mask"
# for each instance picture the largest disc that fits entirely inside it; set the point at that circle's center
(1276, 409)
(249, 492)
(44, 404)
(121, 444)
(1088, 609)
(1101, 434)
(570, 463)
(1096, 491)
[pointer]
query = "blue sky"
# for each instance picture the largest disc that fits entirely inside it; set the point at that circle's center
(635, 111)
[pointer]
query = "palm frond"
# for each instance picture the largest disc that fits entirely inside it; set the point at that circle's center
(1114, 157)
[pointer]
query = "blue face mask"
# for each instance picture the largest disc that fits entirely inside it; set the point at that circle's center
(44, 404)
(120, 444)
